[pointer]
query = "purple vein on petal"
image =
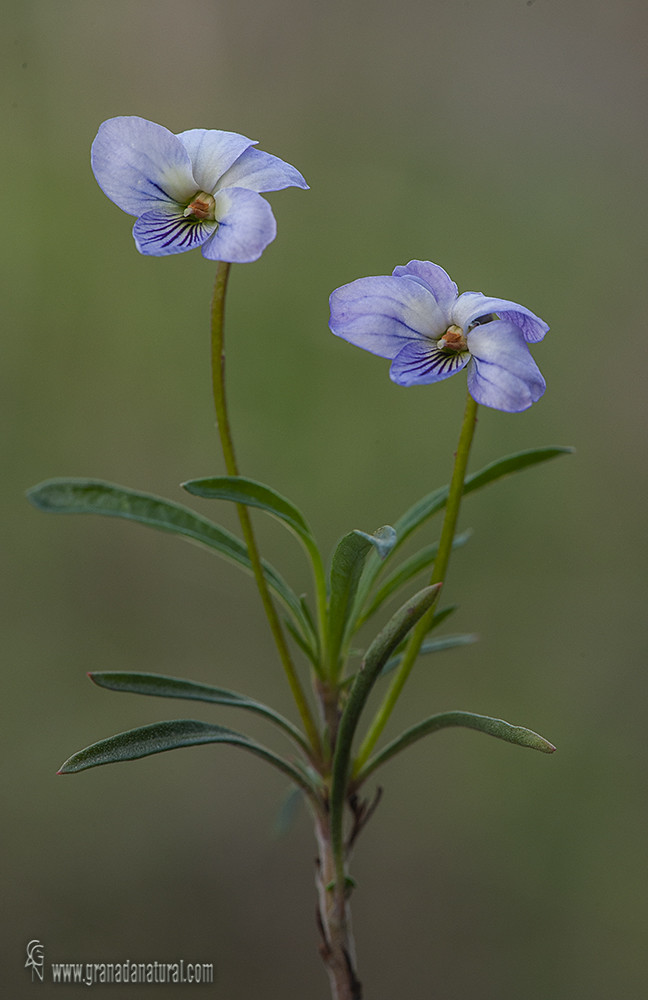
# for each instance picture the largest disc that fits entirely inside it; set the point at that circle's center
(423, 363)
(160, 233)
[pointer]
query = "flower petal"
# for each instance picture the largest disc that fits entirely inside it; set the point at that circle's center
(260, 171)
(141, 165)
(166, 231)
(381, 314)
(245, 226)
(471, 305)
(434, 277)
(531, 325)
(212, 152)
(421, 363)
(502, 374)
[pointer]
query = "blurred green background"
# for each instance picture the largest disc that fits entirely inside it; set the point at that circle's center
(506, 141)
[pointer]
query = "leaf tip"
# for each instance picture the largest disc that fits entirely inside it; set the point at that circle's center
(535, 741)
(33, 495)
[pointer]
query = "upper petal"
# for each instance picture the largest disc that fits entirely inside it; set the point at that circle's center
(502, 373)
(471, 305)
(440, 284)
(421, 363)
(245, 226)
(166, 230)
(261, 171)
(141, 165)
(532, 327)
(381, 314)
(212, 152)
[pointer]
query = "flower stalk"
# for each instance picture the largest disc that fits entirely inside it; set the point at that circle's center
(439, 572)
(231, 465)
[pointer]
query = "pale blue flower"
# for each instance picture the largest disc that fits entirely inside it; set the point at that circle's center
(416, 317)
(196, 189)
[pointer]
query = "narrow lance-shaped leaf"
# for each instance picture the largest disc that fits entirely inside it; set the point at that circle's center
(161, 686)
(238, 489)
(482, 723)
(410, 567)
(513, 463)
(161, 736)
(346, 570)
(436, 501)
(287, 812)
(306, 647)
(440, 616)
(433, 646)
(385, 643)
(92, 496)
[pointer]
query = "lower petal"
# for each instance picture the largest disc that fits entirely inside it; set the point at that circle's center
(168, 231)
(422, 363)
(502, 374)
(246, 226)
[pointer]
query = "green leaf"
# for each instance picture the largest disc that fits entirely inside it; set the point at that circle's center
(410, 567)
(420, 512)
(383, 539)
(482, 723)
(434, 502)
(513, 463)
(93, 496)
(437, 619)
(307, 648)
(287, 812)
(238, 489)
(161, 736)
(441, 615)
(433, 646)
(161, 686)
(385, 643)
(346, 570)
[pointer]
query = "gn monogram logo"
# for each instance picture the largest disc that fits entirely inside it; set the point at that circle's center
(35, 959)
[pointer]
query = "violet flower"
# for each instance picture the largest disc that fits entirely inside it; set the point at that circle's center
(416, 317)
(196, 189)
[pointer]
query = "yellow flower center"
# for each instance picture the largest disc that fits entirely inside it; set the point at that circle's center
(201, 207)
(453, 341)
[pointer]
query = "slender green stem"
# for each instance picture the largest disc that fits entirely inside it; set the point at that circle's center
(439, 572)
(319, 579)
(456, 492)
(227, 444)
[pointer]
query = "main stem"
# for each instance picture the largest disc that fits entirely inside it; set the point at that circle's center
(334, 918)
(227, 444)
(439, 571)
